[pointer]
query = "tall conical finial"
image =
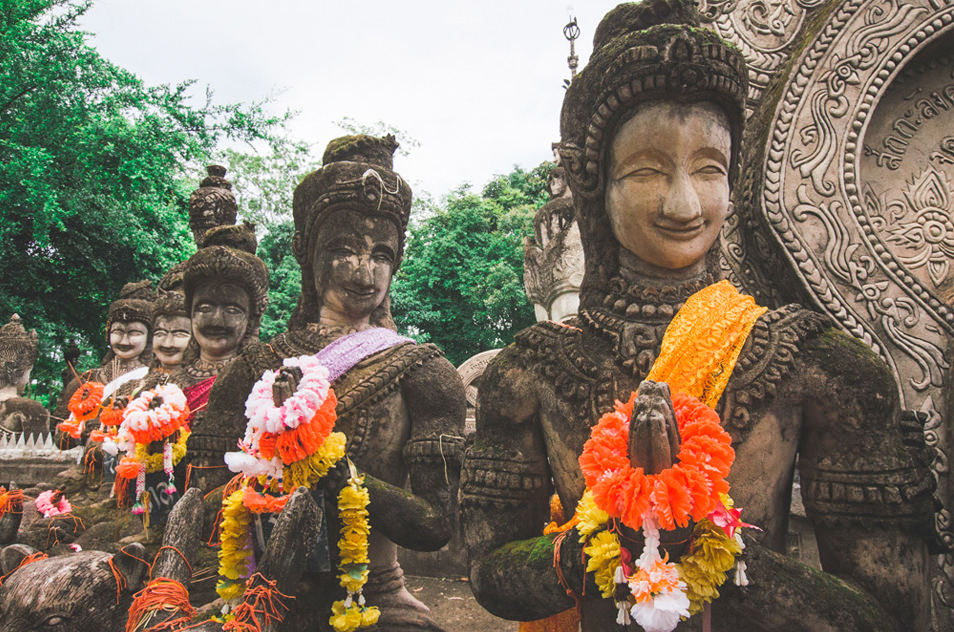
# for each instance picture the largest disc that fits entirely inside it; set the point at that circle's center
(571, 31)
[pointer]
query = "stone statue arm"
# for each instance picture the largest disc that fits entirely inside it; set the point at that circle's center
(506, 485)
(433, 396)
(867, 493)
(62, 412)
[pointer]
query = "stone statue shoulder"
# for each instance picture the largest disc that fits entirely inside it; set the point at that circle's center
(770, 353)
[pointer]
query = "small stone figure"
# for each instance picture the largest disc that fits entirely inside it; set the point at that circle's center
(171, 331)
(18, 351)
(651, 143)
(129, 332)
(212, 204)
(400, 404)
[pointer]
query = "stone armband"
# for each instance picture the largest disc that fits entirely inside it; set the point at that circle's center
(849, 493)
(444, 450)
(501, 481)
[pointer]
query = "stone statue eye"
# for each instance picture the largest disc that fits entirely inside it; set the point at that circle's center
(54, 622)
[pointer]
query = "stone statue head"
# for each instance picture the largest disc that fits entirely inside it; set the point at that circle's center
(171, 329)
(129, 325)
(645, 54)
(226, 291)
(350, 218)
(556, 182)
(18, 351)
(212, 204)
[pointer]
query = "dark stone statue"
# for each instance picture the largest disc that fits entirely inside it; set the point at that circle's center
(18, 351)
(87, 591)
(650, 142)
(401, 407)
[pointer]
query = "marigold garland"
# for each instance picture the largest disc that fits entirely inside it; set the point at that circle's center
(83, 406)
(651, 590)
(155, 415)
(286, 447)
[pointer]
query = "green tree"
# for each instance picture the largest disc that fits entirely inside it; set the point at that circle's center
(461, 283)
(92, 163)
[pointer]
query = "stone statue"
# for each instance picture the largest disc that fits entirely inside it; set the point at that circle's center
(87, 591)
(171, 331)
(554, 259)
(18, 350)
(129, 332)
(400, 404)
(226, 292)
(651, 144)
(212, 204)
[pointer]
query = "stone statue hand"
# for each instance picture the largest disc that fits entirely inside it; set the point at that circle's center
(653, 432)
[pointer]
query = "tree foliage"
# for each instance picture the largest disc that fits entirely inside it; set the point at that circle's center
(91, 168)
(461, 282)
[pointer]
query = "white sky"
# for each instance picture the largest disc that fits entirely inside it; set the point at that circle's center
(478, 84)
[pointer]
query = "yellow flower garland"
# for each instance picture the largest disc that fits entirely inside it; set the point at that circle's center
(153, 462)
(703, 568)
(235, 554)
(352, 613)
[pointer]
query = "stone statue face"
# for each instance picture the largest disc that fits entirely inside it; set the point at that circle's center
(170, 337)
(353, 264)
(128, 340)
(219, 318)
(667, 190)
(557, 184)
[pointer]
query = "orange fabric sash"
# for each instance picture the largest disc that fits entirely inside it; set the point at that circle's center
(703, 341)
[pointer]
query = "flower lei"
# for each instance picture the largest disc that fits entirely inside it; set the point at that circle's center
(83, 406)
(651, 590)
(286, 447)
(51, 503)
(110, 418)
(156, 415)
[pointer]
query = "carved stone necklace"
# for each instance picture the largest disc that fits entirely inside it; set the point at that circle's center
(202, 369)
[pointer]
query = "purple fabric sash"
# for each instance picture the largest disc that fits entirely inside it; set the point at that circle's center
(349, 350)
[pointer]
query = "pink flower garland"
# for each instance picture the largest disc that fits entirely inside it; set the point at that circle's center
(46, 506)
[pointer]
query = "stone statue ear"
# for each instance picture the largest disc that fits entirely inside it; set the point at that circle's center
(11, 556)
(131, 563)
(298, 247)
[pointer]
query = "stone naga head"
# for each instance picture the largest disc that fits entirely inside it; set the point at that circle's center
(89, 591)
(357, 205)
(644, 53)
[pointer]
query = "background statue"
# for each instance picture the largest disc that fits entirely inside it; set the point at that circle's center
(400, 404)
(212, 204)
(129, 332)
(651, 143)
(18, 351)
(553, 260)
(171, 331)
(226, 292)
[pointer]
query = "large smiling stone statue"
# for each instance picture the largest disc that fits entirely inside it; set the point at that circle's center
(651, 144)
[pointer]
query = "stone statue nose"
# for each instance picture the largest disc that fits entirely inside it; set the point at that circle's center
(363, 273)
(681, 203)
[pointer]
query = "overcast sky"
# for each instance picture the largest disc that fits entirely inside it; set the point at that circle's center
(477, 84)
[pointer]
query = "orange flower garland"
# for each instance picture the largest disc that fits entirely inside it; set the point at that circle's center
(84, 405)
(688, 489)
